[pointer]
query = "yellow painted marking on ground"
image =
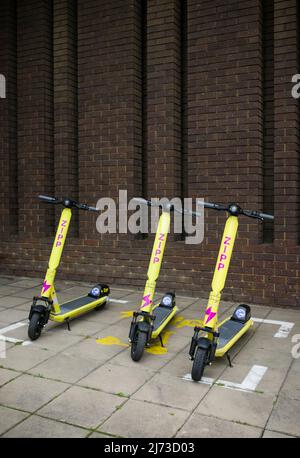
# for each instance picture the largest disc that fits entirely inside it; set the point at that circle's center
(127, 314)
(157, 349)
(176, 319)
(111, 340)
(189, 323)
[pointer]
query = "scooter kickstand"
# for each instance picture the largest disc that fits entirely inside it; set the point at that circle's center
(229, 359)
(68, 324)
(161, 341)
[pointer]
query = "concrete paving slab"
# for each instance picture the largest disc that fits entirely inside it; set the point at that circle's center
(7, 375)
(28, 282)
(139, 419)
(285, 416)
(8, 290)
(82, 327)
(65, 367)
(97, 435)
(37, 427)
(6, 280)
(264, 357)
(26, 306)
(200, 426)
(56, 339)
(117, 379)
(82, 407)
(11, 301)
(250, 408)
(90, 348)
(24, 358)
(171, 391)
(30, 393)
(13, 315)
(28, 293)
(270, 383)
(9, 418)
(275, 435)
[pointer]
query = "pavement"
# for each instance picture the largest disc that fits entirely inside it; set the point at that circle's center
(83, 383)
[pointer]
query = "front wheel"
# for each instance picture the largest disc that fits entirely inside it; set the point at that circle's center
(35, 326)
(199, 364)
(138, 345)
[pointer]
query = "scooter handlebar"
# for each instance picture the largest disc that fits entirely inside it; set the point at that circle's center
(50, 200)
(69, 203)
(258, 215)
(249, 213)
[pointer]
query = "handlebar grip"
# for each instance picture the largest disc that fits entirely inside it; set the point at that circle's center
(266, 216)
(92, 209)
(49, 199)
(213, 206)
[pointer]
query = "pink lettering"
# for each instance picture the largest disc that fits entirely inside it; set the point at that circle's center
(161, 237)
(220, 266)
(155, 260)
(227, 240)
(64, 222)
(223, 257)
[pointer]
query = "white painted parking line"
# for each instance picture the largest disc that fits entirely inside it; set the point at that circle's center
(118, 301)
(12, 327)
(249, 383)
(285, 327)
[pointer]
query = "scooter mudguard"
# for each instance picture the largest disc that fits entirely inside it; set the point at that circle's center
(42, 310)
(141, 326)
(204, 343)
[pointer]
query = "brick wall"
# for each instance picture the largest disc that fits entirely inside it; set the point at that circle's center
(162, 98)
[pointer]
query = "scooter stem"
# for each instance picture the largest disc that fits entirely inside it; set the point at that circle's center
(156, 261)
(57, 249)
(221, 270)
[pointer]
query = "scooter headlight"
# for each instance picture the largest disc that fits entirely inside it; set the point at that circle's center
(167, 300)
(95, 292)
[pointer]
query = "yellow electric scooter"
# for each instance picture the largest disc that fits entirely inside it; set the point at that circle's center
(149, 322)
(218, 338)
(46, 306)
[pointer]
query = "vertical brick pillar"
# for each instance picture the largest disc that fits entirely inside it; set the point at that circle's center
(164, 98)
(8, 120)
(35, 116)
(109, 102)
(65, 101)
(225, 107)
(286, 160)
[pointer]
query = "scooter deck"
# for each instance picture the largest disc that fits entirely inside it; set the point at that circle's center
(230, 332)
(162, 315)
(76, 307)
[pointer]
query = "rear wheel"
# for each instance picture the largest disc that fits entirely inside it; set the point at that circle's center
(101, 306)
(138, 345)
(199, 364)
(35, 326)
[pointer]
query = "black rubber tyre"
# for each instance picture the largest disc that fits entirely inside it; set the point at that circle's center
(100, 307)
(138, 345)
(199, 364)
(35, 326)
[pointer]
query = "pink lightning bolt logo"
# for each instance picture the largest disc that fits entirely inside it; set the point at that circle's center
(45, 286)
(146, 301)
(210, 315)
